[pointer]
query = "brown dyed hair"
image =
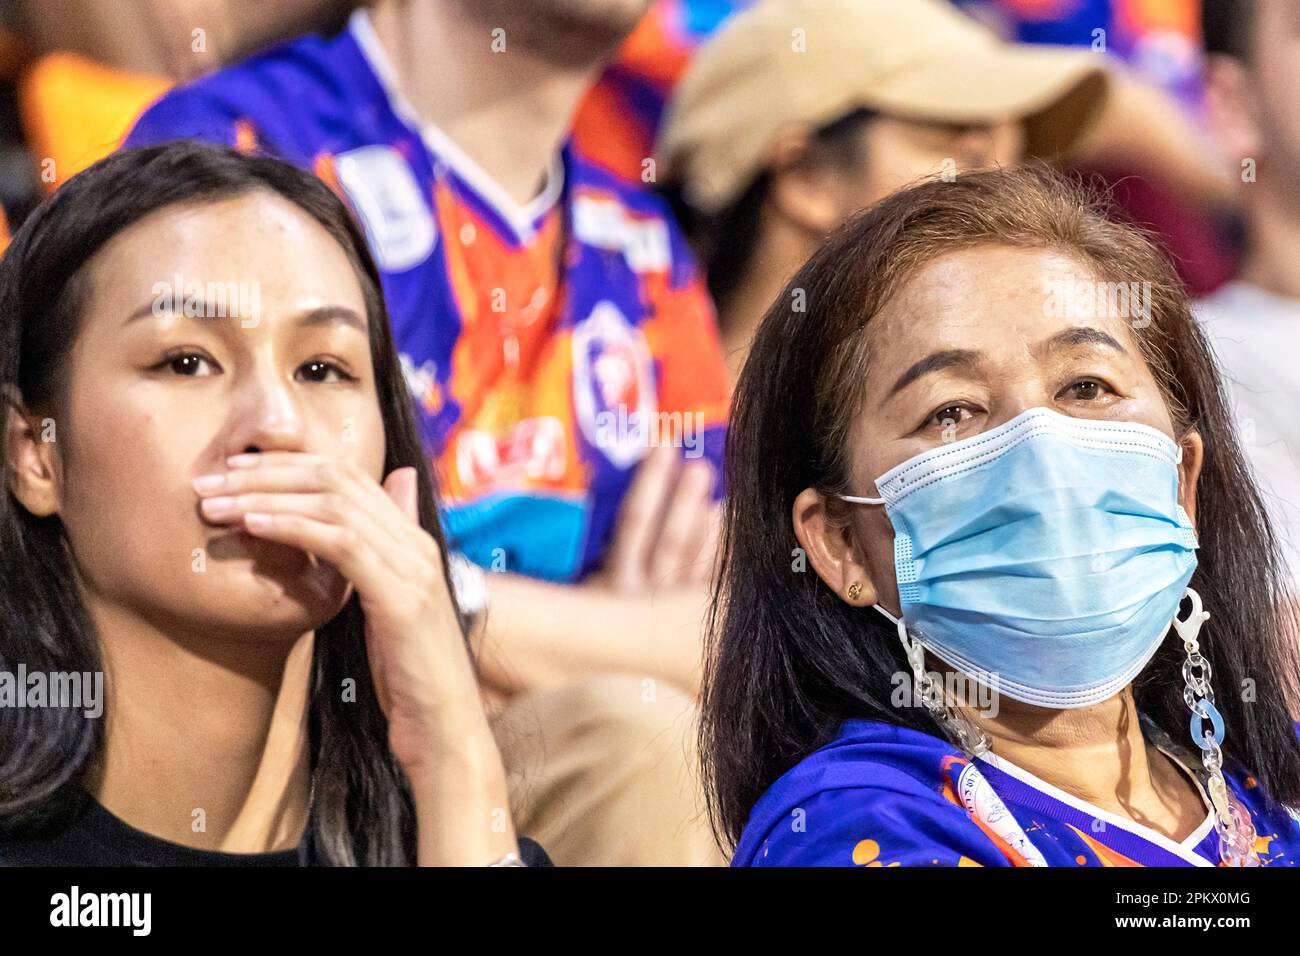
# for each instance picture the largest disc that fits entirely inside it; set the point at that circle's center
(787, 660)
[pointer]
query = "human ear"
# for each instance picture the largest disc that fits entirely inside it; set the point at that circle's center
(801, 193)
(31, 473)
(1189, 471)
(829, 544)
(1232, 110)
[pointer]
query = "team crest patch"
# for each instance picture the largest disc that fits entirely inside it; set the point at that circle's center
(384, 192)
(612, 381)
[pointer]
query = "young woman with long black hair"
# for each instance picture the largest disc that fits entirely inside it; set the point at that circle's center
(997, 587)
(216, 502)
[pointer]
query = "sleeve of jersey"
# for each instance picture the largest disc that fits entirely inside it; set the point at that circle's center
(236, 116)
(877, 826)
(184, 114)
(692, 376)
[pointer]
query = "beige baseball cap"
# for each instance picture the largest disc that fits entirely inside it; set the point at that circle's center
(781, 63)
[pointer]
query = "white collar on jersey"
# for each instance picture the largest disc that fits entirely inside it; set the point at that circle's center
(1186, 849)
(522, 219)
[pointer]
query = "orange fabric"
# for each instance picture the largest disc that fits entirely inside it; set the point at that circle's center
(1180, 16)
(1105, 854)
(607, 134)
(501, 288)
(77, 111)
(608, 130)
(653, 50)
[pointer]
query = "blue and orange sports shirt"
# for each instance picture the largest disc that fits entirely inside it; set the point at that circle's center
(619, 120)
(548, 346)
(1161, 39)
(881, 795)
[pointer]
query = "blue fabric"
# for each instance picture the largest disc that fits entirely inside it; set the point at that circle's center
(1161, 40)
(882, 795)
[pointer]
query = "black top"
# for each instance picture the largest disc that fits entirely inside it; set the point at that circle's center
(96, 837)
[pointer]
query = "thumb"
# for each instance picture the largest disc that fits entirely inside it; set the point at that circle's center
(403, 487)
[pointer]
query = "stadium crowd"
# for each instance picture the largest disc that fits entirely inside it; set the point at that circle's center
(650, 432)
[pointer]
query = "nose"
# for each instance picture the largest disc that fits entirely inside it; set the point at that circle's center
(1017, 396)
(976, 148)
(265, 416)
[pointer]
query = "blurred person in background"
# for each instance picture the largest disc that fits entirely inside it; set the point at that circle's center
(180, 39)
(1153, 148)
(92, 67)
(1254, 321)
(1159, 40)
(799, 113)
(75, 74)
(564, 360)
(619, 118)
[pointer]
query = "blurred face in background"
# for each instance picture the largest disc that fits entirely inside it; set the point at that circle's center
(1255, 106)
(160, 391)
(1276, 80)
(568, 32)
(898, 152)
(818, 188)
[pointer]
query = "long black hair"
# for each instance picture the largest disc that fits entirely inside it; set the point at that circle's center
(787, 660)
(362, 811)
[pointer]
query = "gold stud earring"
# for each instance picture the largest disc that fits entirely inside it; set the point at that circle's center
(855, 589)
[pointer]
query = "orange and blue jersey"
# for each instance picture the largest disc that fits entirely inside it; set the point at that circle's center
(547, 346)
(1161, 39)
(619, 119)
(883, 795)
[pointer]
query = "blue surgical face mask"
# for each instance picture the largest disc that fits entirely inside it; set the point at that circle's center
(1046, 557)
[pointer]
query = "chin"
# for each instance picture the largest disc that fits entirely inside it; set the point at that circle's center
(273, 589)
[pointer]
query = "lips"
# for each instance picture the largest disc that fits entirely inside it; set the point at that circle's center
(232, 542)
(291, 566)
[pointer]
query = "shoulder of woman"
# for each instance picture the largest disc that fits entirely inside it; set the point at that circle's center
(876, 795)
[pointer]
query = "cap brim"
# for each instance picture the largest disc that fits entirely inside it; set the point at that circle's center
(1056, 92)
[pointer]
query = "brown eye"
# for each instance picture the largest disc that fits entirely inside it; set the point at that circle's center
(949, 416)
(323, 372)
(1086, 390)
(189, 365)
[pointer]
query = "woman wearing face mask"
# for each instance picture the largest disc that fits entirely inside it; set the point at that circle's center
(218, 540)
(973, 480)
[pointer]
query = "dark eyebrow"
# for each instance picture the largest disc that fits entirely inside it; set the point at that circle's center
(141, 313)
(935, 362)
(938, 361)
(1081, 335)
(325, 315)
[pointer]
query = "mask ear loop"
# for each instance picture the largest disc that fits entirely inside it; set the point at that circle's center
(973, 741)
(967, 736)
(862, 501)
(1231, 819)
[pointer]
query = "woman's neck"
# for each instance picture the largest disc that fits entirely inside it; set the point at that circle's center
(1099, 755)
(206, 740)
